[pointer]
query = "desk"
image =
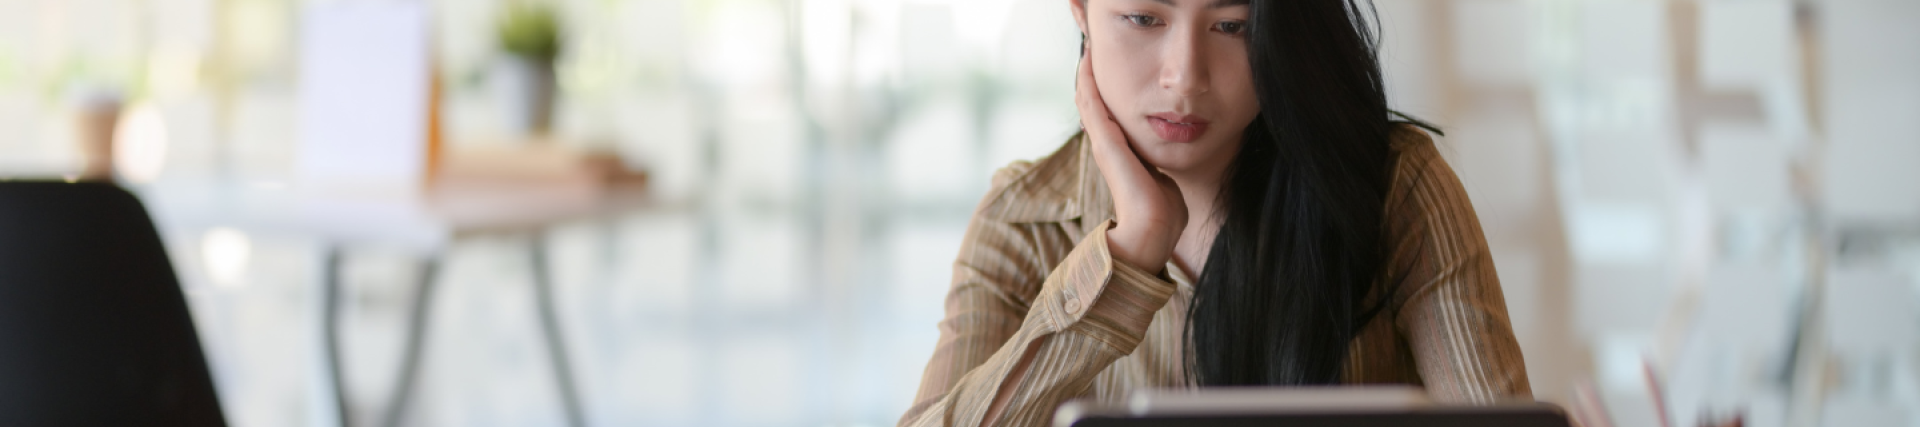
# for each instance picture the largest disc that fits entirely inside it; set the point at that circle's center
(428, 223)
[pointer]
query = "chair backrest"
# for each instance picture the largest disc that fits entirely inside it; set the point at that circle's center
(94, 329)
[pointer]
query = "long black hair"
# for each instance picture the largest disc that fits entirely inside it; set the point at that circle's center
(1289, 280)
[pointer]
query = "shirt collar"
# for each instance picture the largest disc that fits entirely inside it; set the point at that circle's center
(1063, 186)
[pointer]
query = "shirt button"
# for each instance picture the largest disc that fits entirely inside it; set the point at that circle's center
(1073, 305)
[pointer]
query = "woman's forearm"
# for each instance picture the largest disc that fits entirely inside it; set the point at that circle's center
(1090, 312)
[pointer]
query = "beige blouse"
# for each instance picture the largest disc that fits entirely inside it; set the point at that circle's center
(1039, 313)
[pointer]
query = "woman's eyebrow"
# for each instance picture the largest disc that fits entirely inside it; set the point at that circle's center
(1216, 3)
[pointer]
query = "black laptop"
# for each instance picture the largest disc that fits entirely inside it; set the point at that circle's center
(1301, 407)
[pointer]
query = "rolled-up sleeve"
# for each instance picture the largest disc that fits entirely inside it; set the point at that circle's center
(1452, 312)
(1013, 345)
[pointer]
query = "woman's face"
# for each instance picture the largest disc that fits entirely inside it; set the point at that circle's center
(1174, 75)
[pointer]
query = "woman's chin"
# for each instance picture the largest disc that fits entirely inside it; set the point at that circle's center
(1171, 157)
(1179, 157)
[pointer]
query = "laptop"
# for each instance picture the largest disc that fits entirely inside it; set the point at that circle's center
(1366, 406)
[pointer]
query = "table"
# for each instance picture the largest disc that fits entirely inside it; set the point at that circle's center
(430, 222)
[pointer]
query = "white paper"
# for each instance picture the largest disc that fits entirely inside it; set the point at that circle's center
(364, 83)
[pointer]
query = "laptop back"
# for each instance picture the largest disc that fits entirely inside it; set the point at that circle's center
(1323, 406)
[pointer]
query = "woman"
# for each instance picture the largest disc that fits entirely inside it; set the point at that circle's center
(1239, 209)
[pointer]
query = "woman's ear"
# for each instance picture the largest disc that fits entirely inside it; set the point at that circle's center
(1079, 8)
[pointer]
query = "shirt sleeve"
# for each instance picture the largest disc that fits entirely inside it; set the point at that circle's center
(1011, 352)
(1452, 312)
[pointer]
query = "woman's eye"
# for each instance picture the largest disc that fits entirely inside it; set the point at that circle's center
(1231, 27)
(1142, 20)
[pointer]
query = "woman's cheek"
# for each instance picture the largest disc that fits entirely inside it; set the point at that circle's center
(1113, 76)
(1235, 82)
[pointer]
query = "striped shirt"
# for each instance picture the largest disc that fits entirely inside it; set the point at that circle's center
(1040, 313)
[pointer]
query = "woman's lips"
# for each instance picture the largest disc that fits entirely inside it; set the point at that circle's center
(1176, 127)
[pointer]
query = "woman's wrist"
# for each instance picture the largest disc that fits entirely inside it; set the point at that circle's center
(1137, 249)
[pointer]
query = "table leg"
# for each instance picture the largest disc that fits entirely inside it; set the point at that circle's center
(330, 332)
(417, 322)
(556, 342)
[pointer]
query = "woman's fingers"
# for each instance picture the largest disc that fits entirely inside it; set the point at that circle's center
(1094, 115)
(1147, 205)
(1116, 160)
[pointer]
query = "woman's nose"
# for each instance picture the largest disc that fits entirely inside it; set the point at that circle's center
(1183, 64)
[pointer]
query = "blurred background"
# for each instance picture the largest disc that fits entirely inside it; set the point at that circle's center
(1699, 209)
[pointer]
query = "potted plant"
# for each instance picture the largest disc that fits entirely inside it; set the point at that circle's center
(529, 36)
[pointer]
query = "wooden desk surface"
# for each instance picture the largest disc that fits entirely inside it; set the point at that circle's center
(428, 220)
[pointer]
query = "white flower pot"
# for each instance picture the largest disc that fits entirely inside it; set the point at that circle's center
(526, 89)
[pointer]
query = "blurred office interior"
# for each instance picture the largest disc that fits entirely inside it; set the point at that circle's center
(1699, 209)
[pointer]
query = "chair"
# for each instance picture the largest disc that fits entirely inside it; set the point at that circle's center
(94, 329)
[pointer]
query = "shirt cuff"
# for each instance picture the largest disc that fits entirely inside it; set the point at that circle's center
(1107, 298)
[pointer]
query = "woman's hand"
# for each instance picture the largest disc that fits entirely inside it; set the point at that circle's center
(1149, 213)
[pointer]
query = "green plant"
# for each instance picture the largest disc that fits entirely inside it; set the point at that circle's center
(530, 30)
